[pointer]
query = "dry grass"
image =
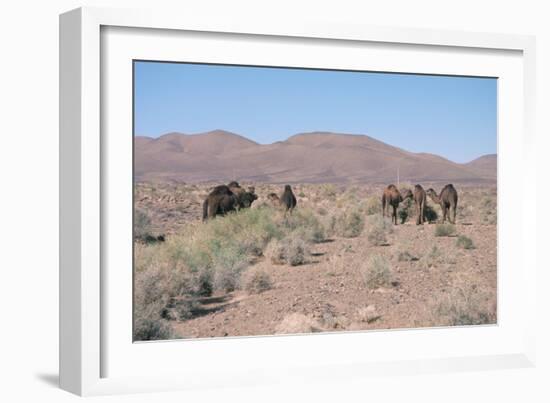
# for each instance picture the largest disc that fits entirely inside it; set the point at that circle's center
(376, 272)
(465, 307)
(257, 280)
(416, 275)
(445, 230)
(378, 229)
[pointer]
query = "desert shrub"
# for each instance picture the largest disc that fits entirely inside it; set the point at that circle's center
(154, 289)
(488, 210)
(329, 190)
(376, 272)
(151, 328)
(322, 211)
(230, 261)
(445, 230)
(372, 206)
(403, 215)
(406, 210)
(466, 306)
(301, 194)
(464, 242)
(430, 214)
(142, 224)
(306, 223)
(257, 281)
(405, 257)
(292, 250)
(350, 224)
(378, 228)
(433, 257)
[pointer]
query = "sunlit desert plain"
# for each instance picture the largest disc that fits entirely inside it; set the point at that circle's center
(333, 264)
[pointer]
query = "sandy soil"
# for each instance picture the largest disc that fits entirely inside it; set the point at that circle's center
(328, 293)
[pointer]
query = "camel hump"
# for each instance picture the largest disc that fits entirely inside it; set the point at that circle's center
(418, 187)
(221, 190)
(449, 186)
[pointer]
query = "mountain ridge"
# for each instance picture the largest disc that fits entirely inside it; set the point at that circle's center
(310, 157)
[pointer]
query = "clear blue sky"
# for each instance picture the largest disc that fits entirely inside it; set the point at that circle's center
(454, 117)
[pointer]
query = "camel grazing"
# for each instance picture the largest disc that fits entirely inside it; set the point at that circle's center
(419, 197)
(392, 197)
(447, 199)
(223, 199)
(219, 201)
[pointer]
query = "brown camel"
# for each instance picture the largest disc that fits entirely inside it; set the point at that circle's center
(392, 197)
(447, 199)
(223, 199)
(419, 196)
(287, 200)
(219, 201)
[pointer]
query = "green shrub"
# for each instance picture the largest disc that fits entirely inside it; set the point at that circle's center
(430, 214)
(445, 230)
(305, 222)
(142, 224)
(376, 272)
(148, 328)
(406, 210)
(464, 242)
(372, 206)
(377, 231)
(350, 224)
(292, 250)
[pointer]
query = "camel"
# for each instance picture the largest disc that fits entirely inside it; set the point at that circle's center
(392, 197)
(287, 200)
(419, 197)
(447, 199)
(223, 199)
(219, 201)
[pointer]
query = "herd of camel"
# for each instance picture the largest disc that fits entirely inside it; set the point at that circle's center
(232, 197)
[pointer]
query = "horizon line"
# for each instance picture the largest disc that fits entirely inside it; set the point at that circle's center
(308, 133)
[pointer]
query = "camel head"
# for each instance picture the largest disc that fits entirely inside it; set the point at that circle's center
(432, 195)
(406, 193)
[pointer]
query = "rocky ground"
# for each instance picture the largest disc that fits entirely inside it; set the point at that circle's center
(430, 280)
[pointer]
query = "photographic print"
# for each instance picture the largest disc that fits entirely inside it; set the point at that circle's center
(274, 200)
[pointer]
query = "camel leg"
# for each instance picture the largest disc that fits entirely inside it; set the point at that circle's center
(417, 212)
(422, 213)
(212, 209)
(454, 214)
(394, 215)
(383, 206)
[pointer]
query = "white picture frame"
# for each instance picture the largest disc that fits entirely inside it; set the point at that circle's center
(93, 342)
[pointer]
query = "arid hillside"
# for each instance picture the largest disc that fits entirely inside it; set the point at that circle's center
(318, 157)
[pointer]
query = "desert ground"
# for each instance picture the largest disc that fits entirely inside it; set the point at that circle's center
(334, 264)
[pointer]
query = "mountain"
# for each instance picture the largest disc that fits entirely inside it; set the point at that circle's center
(485, 166)
(307, 157)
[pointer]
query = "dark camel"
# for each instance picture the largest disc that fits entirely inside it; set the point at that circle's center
(448, 200)
(287, 200)
(392, 197)
(223, 199)
(419, 196)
